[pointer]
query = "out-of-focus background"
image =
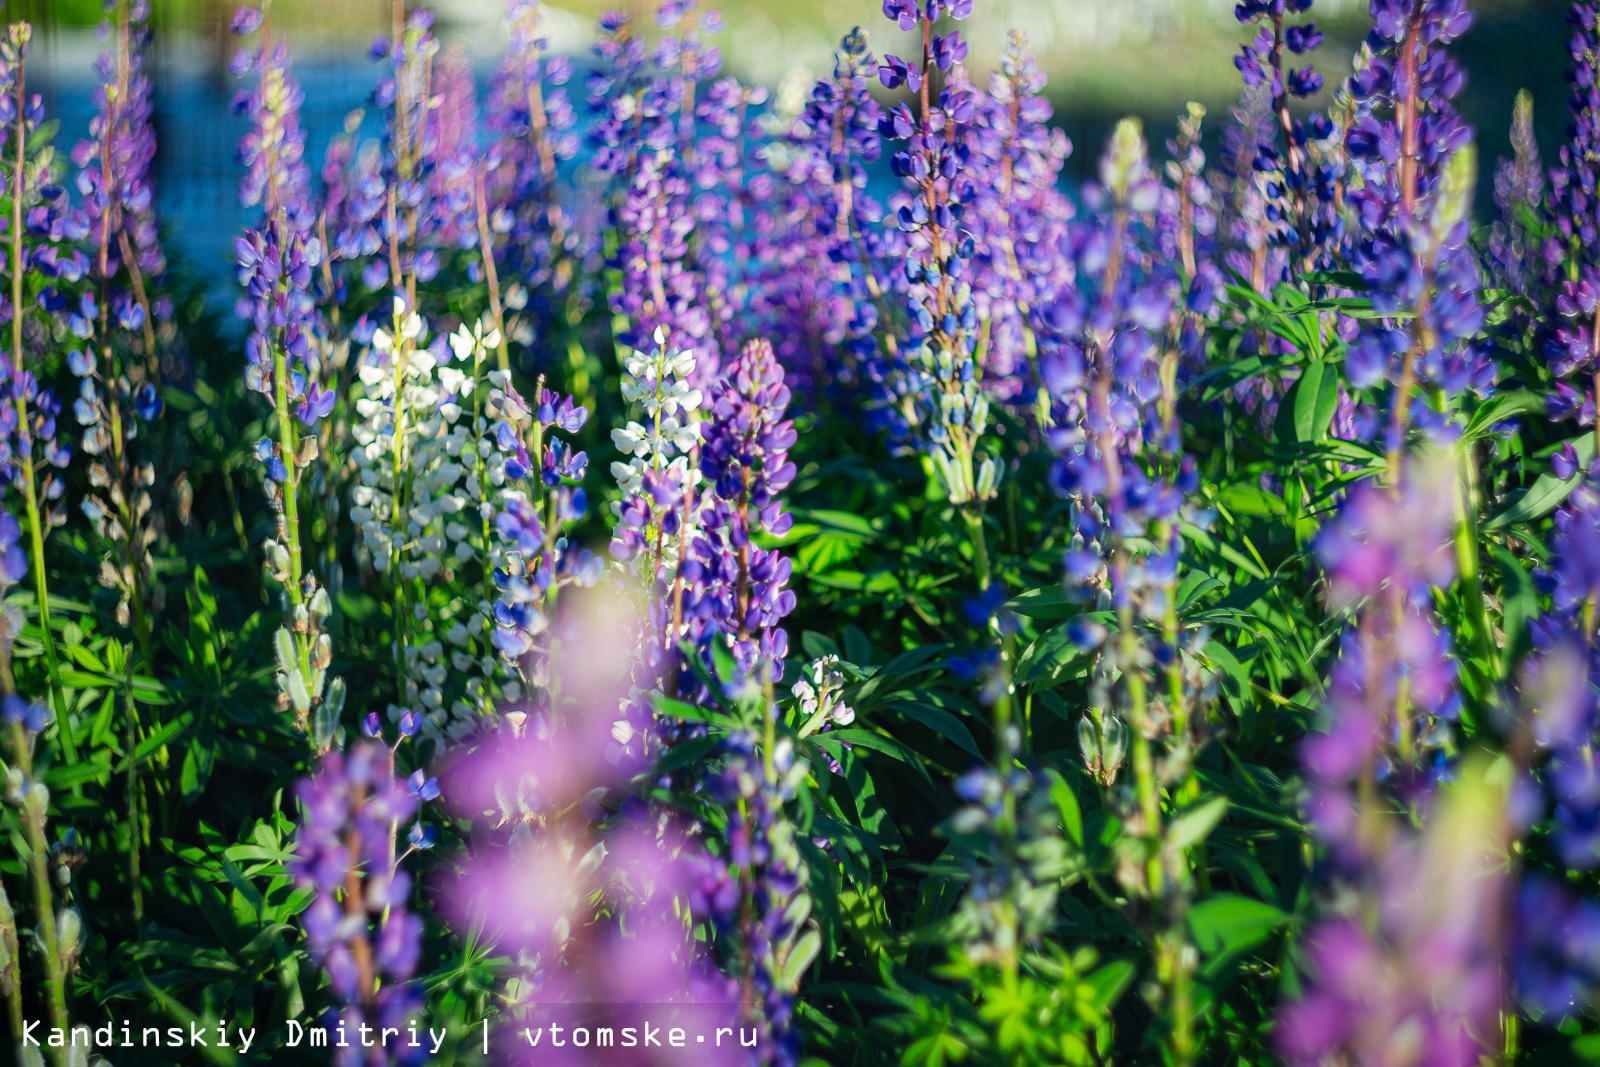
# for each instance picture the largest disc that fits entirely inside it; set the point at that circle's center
(1105, 59)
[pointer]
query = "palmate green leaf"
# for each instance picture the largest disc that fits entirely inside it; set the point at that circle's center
(877, 742)
(901, 668)
(1047, 602)
(1108, 982)
(1195, 824)
(1519, 601)
(801, 957)
(154, 742)
(1228, 923)
(1066, 802)
(941, 722)
(1545, 494)
(1499, 408)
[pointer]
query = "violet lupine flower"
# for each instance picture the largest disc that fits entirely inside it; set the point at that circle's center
(1565, 671)
(52, 264)
(1519, 260)
(539, 561)
(1392, 692)
(1557, 945)
(733, 589)
(1419, 970)
(116, 167)
(1575, 202)
(1100, 345)
(451, 184)
(276, 176)
(357, 925)
(276, 265)
(392, 210)
(749, 892)
(1250, 246)
(275, 270)
(1413, 156)
(1019, 221)
(1295, 158)
(115, 178)
(1012, 845)
(1575, 179)
(636, 142)
(834, 278)
(533, 125)
(948, 409)
(588, 910)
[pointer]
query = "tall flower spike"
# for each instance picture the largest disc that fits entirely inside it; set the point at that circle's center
(734, 589)
(1019, 219)
(357, 925)
(1571, 348)
(277, 178)
(756, 893)
(120, 372)
(640, 147)
(533, 123)
(1412, 156)
(116, 172)
(1516, 258)
(410, 475)
(949, 409)
(833, 289)
(1392, 692)
(1416, 968)
(542, 497)
(44, 265)
(1300, 174)
(276, 265)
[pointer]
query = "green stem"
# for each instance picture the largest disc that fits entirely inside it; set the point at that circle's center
(1474, 607)
(1144, 770)
(30, 483)
(289, 444)
(33, 822)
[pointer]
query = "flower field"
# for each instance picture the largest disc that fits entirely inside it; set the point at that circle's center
(655, 569)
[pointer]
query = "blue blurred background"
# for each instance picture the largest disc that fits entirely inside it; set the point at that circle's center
(1105, 58)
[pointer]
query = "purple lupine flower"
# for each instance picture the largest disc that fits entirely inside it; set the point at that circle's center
(539, 560)
(52, 264)
(276, 265)
(734, 589)
(640, 141)
(1295, 165)
(453, 116)
(833, 279)
(1370, 995)
(1571, 347)
(385, 216)
(1517, 259)
(1562, 674)
(1413, 155)
(1575, 179)
(276, 177)
(1101, 341)
(533, 124)
(1020, 220)
(747, 892)
(116, 170)
(947, 409)
(358, 927)
(1392, 692)
(1557, 943)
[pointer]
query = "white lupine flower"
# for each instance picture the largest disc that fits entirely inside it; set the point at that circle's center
(425, 417)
